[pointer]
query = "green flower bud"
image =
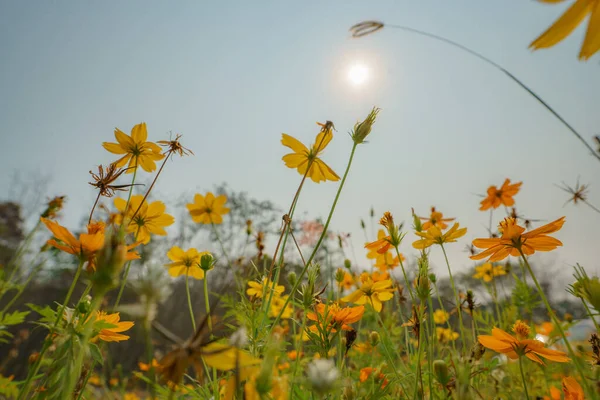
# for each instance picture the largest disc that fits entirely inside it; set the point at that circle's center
(374, 338)
(440, 369)
(347, 264)
(207, 262)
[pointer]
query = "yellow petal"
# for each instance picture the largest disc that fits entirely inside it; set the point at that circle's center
(114, 148)
(293, 144)
(125, 141)
(591, 43)
(139, 134)
(563, 26)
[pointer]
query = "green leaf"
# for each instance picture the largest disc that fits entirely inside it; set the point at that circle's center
(96, 354)
(15, 318)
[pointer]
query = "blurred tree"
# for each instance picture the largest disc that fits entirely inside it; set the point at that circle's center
(11, 230)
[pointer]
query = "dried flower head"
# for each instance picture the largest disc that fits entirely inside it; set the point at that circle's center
(174, 146)
(54, 206)
(365, 28)
(104, 180)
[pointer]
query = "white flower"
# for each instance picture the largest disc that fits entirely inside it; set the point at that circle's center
(322, 375)
(239, 338)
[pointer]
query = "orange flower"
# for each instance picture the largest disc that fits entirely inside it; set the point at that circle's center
(332, 317)
(387, 261)
(365, 373)
(146, 367)
(380, 246)
(513, 239)
(88, 244)
(112, 334)
(502, 342)
(572, 389)
(348, 281)
(503, 196)
(436, 219)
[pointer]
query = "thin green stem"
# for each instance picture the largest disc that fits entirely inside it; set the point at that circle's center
(125, 274)
(408, 285)
(457, 299)
(36, 367)
(557, 323)
(189, 300)
(323, 234)
(207, 302)
(523, 377)
(384, 344)
(22, 287)
(589, 312)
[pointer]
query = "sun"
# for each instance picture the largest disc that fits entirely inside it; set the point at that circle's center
(358, 74)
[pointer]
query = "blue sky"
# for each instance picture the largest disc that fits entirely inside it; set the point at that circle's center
(232, 76)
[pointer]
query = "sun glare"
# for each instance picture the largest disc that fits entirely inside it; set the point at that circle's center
(358, 74)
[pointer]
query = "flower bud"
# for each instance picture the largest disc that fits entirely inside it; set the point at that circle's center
(84, 305)
(440, 369)
(292, 278)
(374, 338)
(339, 275)
(362, 224)
(207, 262)
(347, 264)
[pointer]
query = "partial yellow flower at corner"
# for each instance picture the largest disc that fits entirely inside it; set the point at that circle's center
(563, 27)
(137, 151)
(185, 262)
(302, 156)
(208, 209)
(150, 219)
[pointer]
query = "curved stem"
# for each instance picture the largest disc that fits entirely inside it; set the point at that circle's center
(189, 300)
(125, 275)
(508, 74)
(408, 285)
(93, 208)
(587, 308)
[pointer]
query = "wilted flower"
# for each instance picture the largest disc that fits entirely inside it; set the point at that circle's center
(105, 178)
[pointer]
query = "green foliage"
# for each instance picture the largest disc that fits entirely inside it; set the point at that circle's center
(10, 319)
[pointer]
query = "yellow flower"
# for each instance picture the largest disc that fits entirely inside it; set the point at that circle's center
(445, 335)
(371, 292)
(150, 219)
(347, 282)
(302, 156)
(136, 149)
(434, 235)
(331, 317)
(436, 219)
(185, 262)
(568, 22)
(112, 334)
(208, 209)
(277, 303)
(488, 272)
(256, 288)
(146, 367)
(131, 396)
(440, 316)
